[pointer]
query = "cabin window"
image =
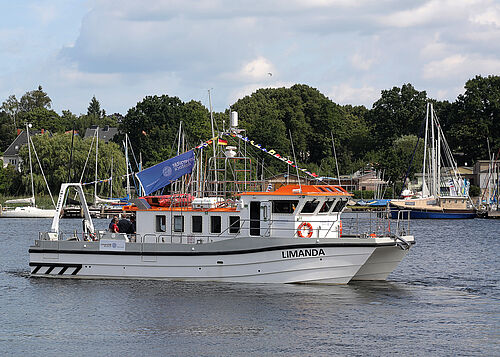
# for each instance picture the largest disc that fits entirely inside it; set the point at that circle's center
(284, 206)
(310, 206)
(197, 226)
(215, 224)
(161, 224)
(234, 224)
(339, 206)
(178, 223)
(325, 208)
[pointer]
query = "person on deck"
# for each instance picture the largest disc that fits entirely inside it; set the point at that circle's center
(112, 223)
(124, 225)
(114, 227)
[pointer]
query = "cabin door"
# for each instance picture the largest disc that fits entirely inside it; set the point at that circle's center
(255, 218)
(260, 218)
(266, 218)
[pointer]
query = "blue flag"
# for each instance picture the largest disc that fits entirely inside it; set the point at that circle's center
(160, 175)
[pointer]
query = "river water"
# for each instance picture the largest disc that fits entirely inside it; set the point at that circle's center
(443, 300)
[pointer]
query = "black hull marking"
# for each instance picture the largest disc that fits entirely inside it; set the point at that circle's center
(51, 267)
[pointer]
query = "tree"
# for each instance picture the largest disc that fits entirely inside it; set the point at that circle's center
(54, 154)
(475, 117)
(35, 99)
(11, 107)
(403, 157)
(10, 180)
(7, 132)
(42, 118)
(399, 111)
(153, 124)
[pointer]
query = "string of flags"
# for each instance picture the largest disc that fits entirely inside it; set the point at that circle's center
(271, 152)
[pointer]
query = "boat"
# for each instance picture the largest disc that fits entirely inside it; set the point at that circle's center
(292, 234)
(445, 194)
(30, 211)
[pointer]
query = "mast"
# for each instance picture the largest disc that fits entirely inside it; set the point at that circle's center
(438, 158)
(425, 191)
(96, 152)
(31, 166)
(127, 164)
(214, 142)
(433, 153)
(335, 154)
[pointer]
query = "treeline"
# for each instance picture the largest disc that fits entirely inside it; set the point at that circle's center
(384, 136)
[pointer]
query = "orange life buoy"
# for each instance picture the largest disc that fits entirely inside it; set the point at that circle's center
(340, 229)
(306, 225)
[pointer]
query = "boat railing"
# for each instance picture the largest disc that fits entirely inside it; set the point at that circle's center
(353, 225)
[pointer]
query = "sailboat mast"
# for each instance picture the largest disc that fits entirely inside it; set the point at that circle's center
(96, 152)
(127, 164)
(438, 158)
(424, 186)
(215, 142)
(31, 166)
(433, 153)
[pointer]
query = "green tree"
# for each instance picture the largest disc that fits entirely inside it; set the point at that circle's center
(10, 180)
(7, 132)
(404, 156)
(11, 107)
(34, 99)
(42, 118)
(474, 117)
(54, 154)
(399, 111)
(153, 124)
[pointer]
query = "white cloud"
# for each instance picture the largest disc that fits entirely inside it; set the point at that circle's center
(257, 69)
(361, 62)
(461, 66)
(491, 16)
(122, 50)
(346, 94)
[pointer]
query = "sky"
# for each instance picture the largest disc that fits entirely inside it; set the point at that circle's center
(350, 50)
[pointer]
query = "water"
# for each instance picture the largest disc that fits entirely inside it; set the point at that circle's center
(443, 300)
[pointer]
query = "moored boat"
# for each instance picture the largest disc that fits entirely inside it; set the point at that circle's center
(443, 195)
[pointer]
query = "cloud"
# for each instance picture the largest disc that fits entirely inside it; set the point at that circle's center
(490, 16)
(122, 50)
(346, 94)
(257, 69)
(460, 65)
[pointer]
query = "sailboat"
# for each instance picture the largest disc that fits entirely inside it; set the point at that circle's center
(445, 194)
(30, 211)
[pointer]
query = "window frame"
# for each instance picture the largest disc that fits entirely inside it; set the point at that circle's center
(233, 229)
(161, 221)
(212, 225)
(193, 225)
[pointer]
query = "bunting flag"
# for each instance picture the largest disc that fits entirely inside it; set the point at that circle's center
(275, 155)
(258, 146)
(206, 143)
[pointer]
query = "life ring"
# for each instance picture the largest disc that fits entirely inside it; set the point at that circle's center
(306, 225)
(340, 228)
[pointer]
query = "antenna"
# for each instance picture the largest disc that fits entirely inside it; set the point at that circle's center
(335, 155)
(295, 160)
